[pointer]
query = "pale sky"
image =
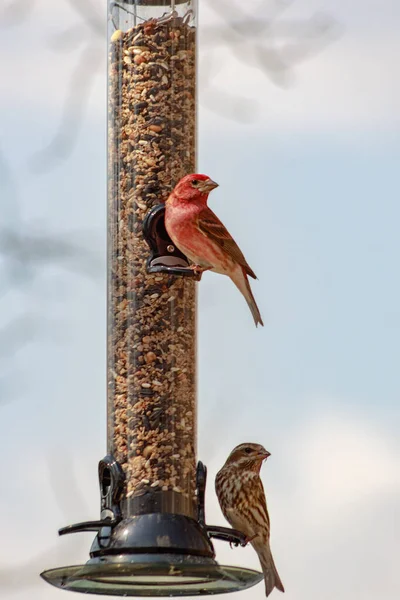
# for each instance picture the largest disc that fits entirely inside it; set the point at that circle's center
(309, 189)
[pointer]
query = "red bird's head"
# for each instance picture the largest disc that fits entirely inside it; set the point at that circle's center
(194, 187)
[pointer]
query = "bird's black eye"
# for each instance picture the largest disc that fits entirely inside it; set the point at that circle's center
(248, 450)
(195, 182)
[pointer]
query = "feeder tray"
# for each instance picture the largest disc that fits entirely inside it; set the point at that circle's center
(152, 580)
(152, 554)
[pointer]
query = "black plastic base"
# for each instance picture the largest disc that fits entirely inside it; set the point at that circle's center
(151, 554)
(153, 534)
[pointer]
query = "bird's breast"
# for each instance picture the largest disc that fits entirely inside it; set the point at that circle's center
(179, 221)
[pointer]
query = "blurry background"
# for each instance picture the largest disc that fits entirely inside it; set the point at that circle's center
(299, 123)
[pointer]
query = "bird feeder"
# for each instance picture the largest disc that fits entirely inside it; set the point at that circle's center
(152, 539)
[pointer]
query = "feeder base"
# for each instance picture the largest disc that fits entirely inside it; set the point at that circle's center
(173, 577)
(152, 553)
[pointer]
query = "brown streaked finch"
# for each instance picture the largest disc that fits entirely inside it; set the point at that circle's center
(242, 499)
(200, 235)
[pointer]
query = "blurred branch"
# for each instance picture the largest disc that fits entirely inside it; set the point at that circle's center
(69, 39)
(87, 11)
(261, 40)
(237, 108)
(27, 252)
(78, 93)
(254, 34)
(24, 255)
(24, 258)
(15, 12)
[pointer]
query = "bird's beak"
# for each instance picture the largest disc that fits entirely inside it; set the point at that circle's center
(206, 186)
(264, 454)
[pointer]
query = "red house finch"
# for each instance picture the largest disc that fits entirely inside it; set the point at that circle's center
(201, 236)
(241, 497)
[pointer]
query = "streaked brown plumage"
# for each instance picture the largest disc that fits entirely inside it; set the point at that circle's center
(242, 499)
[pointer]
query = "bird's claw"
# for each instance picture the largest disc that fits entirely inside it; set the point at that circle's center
(247, 540)
(198, 270)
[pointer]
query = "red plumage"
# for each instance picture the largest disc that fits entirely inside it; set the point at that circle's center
(242, 499)
(201, 236)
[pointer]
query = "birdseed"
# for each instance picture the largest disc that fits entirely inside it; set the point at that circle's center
(151, 317)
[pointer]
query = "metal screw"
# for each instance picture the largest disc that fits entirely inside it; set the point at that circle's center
(170, 248)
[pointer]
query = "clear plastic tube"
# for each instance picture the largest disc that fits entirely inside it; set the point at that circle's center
(151, 317)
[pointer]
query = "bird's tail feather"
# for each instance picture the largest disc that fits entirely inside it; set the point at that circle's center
(241, 281)
(271, 576)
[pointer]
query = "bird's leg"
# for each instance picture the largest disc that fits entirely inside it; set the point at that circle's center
(198, 270)
(248, 540)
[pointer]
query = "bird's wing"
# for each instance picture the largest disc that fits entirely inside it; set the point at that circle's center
(250, 516)
(239, 521)
(213, 228)
(260, 511)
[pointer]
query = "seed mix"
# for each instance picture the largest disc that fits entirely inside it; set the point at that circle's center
(152, 319)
